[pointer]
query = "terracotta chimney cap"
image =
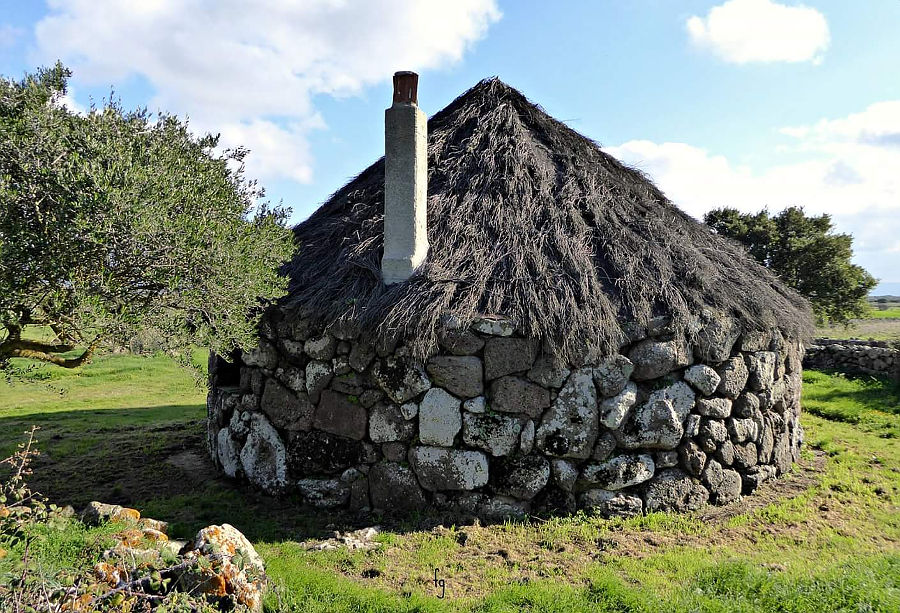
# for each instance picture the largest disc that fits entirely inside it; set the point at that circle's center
(406, 85)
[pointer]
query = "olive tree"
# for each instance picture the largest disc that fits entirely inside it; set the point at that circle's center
(806, 253)
(117, 222)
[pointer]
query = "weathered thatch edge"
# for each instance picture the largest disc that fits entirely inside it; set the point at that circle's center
(532, 221)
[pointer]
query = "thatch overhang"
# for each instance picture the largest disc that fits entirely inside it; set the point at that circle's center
(532, 221)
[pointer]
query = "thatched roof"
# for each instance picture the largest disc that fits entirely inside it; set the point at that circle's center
(530, 220)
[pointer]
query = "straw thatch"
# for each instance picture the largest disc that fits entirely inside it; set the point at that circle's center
(530, 220)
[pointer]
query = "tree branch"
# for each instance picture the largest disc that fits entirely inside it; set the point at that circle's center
(45, 347)
(43, 356)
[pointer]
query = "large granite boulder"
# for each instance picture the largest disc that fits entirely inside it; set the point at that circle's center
(704, 378)
(496, 434)
(459, 375)
(400, 378)
(673, 490)
(547, 372)
(611, 504)
(449, 469)
(264, 458)
(228, 452)
(716, 338)
(614, 409)
(733, 373)
(612, 374)
(619, 472)
(388, 424)
(341, 414)
(393, 486)
(569, 428)
(521, 477)
(654, 358)
(505, 356)
(439, 418)
(512, 394)
(324, 493)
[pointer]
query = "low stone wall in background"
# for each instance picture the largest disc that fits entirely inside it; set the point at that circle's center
(489, 427)
(853, 357)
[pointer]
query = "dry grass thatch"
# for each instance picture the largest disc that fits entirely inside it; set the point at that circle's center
(530, 220)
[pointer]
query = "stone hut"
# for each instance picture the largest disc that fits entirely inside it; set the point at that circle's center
(498, 319)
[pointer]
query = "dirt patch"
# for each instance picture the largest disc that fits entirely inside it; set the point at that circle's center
(120, 467)
(804, 475)
(193, 465)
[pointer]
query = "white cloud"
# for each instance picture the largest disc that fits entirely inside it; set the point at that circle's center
(68, 100)
(9, 35)
(743, 31)
(849, 170)
(879, 124)
(251, 68)
(276, 151)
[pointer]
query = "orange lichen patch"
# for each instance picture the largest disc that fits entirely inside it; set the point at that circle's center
(204, 582)
(245, 581)
(214, 586)
(81, 603)
(154, 535)
(127, 514)
(130, 537)
(108, 573)
(215, 535)
(246, 592)
(4, 511)
(228, 541)
(249, 595)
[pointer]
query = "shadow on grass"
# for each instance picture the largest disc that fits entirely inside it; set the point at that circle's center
(155, 459)
(865, 400)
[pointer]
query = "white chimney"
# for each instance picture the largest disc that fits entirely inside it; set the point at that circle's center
(405, 182)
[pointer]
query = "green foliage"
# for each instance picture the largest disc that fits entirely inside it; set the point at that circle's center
(119, 222)
(19, 506)
(806, 253)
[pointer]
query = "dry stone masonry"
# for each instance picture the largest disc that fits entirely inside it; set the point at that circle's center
(640, 361)
(491, 426)
(854, 356)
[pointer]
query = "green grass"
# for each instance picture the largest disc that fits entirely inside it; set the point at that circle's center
(109, 382)
(890, 313)
(872, 403)
(830, 541)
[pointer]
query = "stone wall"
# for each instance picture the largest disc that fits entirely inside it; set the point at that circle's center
(854, 356)
(490, 427)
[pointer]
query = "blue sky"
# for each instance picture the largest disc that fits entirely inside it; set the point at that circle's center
(747, 103)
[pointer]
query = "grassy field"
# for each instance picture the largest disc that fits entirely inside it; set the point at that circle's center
(887, 313)
(881, 324)
(130, 430)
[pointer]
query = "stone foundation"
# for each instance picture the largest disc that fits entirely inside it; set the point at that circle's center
(490, 427)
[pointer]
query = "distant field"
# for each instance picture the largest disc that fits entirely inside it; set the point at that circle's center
(876, 328)
(886, 313)
(881, 324)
